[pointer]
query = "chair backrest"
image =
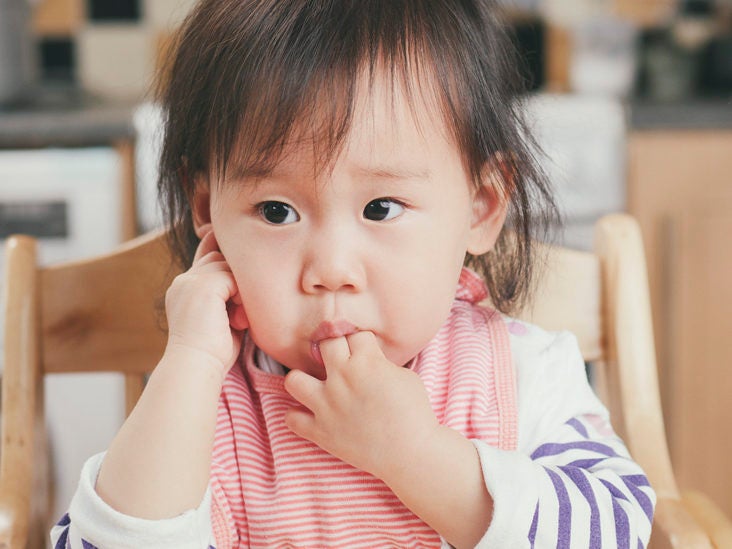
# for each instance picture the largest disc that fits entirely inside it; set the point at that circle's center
(105, 314)
(101, 314)
(602, 298)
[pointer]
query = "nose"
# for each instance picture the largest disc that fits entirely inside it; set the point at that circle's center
(333, 263)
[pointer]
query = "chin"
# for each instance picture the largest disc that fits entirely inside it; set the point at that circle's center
(308, 366)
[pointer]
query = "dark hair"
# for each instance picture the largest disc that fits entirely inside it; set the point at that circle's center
(246, 74)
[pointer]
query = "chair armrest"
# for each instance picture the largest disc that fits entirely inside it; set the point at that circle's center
(674, 527)
(717, 526)
(12, 534)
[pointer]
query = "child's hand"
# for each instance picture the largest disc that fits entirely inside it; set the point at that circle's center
(204, 309)
(368, 412)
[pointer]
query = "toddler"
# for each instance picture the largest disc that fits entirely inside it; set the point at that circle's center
(330, 170)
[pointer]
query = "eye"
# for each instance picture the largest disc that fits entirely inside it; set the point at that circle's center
(278, 213)
(383, 209)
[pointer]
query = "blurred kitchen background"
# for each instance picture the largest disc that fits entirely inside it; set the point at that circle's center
(631, 101)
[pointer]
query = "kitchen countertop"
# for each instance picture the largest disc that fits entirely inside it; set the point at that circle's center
(695, 114)
(65, 117)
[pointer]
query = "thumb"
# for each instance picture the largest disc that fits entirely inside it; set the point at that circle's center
(237, 316)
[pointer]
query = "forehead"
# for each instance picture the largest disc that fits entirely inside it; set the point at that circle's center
(391, 113)
(390, 119)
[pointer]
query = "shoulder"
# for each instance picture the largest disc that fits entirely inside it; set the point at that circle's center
(534, 351)
(551, 379)
(537, 351)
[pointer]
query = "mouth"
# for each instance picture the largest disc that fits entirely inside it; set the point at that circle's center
(329, 330)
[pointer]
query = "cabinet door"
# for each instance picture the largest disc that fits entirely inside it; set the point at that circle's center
(647, 13)
(700, 371)
(680, 190)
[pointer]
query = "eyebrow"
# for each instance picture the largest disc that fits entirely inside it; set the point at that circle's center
(392, 172)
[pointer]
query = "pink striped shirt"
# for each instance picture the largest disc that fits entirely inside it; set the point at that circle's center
(272, 488)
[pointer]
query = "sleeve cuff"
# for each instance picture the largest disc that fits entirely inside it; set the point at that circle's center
(513, 483)
(94, 521)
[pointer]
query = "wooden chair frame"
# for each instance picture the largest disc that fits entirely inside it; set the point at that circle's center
(99, 315)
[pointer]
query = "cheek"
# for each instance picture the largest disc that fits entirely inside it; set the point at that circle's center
(262, 291)
(417, 307)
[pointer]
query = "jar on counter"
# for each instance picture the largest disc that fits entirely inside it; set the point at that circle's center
(17, 54)
(604, 56)
(672, 56)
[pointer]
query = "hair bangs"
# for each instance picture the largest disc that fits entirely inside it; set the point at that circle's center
(302, 89)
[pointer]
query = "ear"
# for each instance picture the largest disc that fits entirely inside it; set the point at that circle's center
(490, 206)
(201, 206)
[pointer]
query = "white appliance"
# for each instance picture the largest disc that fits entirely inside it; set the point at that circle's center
(148, 121)
(69, 198)
(584, 141)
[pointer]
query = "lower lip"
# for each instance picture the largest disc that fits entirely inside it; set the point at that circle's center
(315, 353)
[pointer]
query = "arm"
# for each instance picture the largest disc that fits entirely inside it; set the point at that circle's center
(96, 524)
(443, 485)
(577, 489)
(158, 465)
(571, 483)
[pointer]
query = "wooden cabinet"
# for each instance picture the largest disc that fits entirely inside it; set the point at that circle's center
(58, 17)
(680, 189)
(646, 13)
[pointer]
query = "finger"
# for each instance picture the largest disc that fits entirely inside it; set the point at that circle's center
(201, 230)
(304, 388)
(214, 256)
(211, 263)
(334, 351)
(301, 422)
(207, 244)
(223, 284)
(364, 342)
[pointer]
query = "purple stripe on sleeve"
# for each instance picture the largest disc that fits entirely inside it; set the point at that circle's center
(586, 464)
(622, 528)
(614, 490)
(61, 543)
(564, 528)
(638, 480)
(640, 544)
(554, 448)
(643, 500)
(580, 480)
(534, 525)
(577, 425)
(88, 545)
(65, 520)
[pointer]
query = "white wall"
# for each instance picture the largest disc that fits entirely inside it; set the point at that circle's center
(83, 411)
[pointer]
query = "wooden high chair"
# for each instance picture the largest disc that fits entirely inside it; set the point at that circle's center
(103, 315)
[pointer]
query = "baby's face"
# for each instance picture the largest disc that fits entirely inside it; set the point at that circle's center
(376, 242)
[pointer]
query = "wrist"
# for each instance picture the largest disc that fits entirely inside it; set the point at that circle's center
(398, 466)
(181, 356)
(443, 485)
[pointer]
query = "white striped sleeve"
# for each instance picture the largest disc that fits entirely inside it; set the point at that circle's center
(571, 483)
(92, 524)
